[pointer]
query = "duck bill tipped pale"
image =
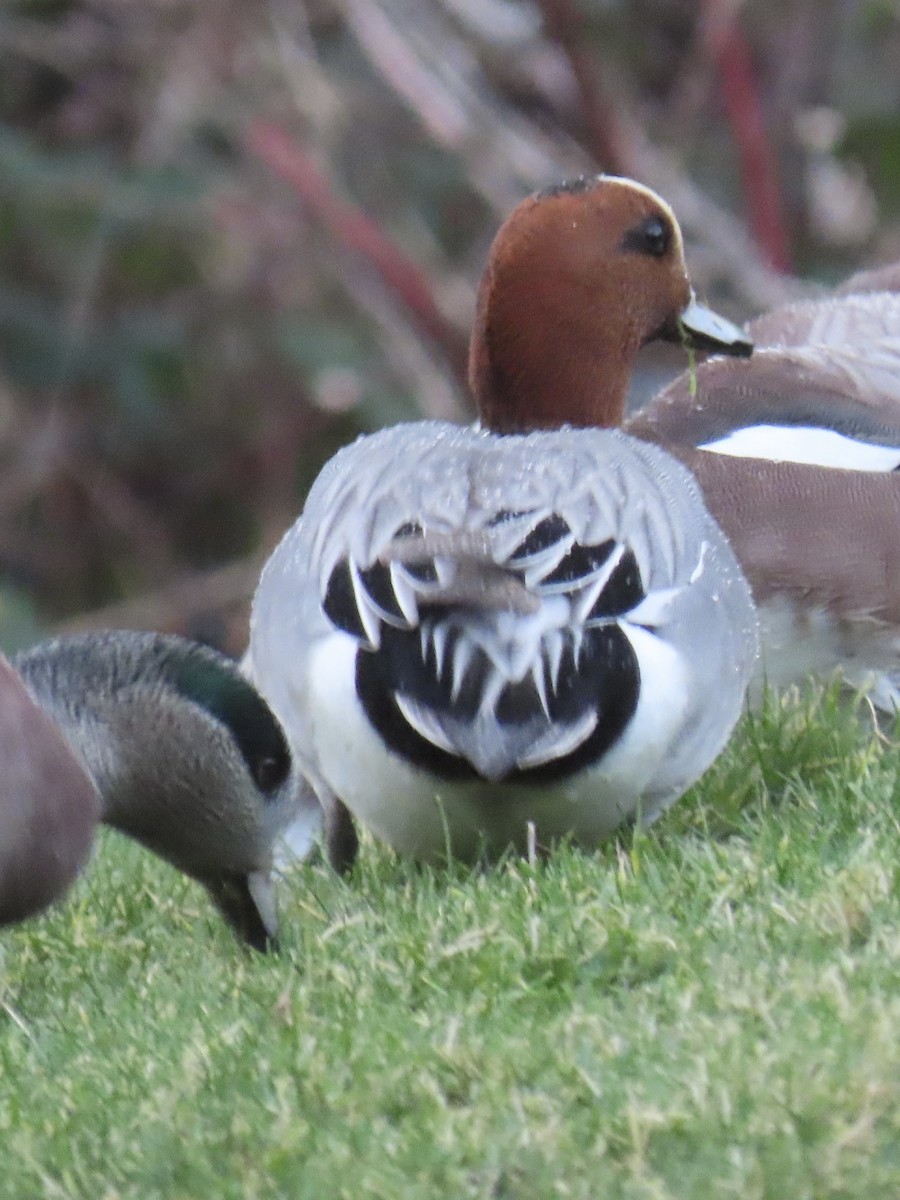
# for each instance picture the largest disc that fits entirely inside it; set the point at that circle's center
(247, 902)
(699, 328)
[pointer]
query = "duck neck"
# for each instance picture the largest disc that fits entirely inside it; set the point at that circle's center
(129, 757)
(72, 695)
(97, 740)
(94, 743)
(533, 365)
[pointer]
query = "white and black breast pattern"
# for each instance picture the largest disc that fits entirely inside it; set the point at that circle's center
(497, 646)
(538, 680)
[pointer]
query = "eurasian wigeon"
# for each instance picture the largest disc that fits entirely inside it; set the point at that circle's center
(534, 623)
(796, 453)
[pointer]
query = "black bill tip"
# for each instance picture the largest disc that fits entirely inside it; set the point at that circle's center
(699, 328)
(247, 902)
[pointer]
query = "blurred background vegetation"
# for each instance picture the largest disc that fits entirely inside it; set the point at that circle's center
(234, 233)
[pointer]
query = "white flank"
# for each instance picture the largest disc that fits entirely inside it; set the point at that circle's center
(806, 444)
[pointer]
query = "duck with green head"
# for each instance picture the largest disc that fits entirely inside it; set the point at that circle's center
(162, 739)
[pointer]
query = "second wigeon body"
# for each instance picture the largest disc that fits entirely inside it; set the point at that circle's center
(797, 453)
(49, 805)
(532, 622)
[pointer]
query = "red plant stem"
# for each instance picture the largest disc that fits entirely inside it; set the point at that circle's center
(759, 171)
(359, 233)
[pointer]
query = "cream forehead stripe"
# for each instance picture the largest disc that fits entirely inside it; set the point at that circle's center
(632, 185)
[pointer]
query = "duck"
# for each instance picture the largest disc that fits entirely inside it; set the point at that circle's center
(496, 638)
(797, 453)
(49, 805)
(158, 737)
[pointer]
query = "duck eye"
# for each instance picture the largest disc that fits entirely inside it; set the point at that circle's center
(268, 773)
(653, 236)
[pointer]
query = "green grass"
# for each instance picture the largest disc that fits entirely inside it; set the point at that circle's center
(707, 1010)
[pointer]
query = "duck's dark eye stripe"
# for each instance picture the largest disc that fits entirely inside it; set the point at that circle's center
(339, 602)
(623, 591)
(219, 688)
(377, 582)
(653, 236)
(580, 562)
(544, 535)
